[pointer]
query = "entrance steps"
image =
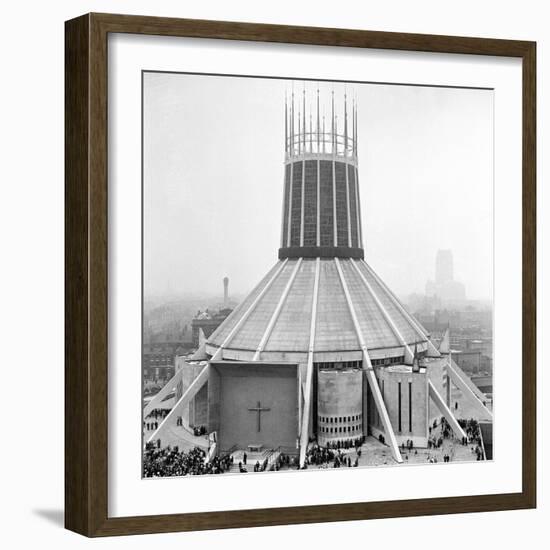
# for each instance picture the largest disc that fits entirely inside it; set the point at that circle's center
(271, 455)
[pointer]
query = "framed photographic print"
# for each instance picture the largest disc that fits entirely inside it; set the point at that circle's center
(300, 275)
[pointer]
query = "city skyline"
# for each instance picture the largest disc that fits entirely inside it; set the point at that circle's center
(441, 138)
(217, 294)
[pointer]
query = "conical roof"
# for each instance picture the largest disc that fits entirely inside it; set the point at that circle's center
(279, 317)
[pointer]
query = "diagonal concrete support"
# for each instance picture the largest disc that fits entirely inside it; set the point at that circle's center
(383, 412)
(159, 397)
(468, 392)
(191, 391)
(433, 352)
(409, 355)
(200, 354)
(367, 366)
(277, 312)
(308, 390)
(441, 405)
(306, 410)
(218, 355)
(212, 452)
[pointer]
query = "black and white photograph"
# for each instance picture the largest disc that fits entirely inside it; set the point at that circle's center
(317, 274)
(273, 275)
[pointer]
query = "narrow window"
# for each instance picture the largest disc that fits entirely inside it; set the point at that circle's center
(410, 408)
(399, 406)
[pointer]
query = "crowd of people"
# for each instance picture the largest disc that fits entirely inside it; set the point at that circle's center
(473, 436)
(472, 430)
(152, 420)
(324, 456)
(346, 443)
(170, 461)
(199, 430)
(285, 460)
(435, 440)
(282, 461)
(470, 427)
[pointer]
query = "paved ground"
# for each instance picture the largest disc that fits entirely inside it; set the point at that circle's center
(374, 453)
(179, 436)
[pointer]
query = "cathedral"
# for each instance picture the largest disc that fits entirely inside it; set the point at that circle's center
(320, 351)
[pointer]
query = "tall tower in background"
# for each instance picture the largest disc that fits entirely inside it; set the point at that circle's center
(225, 292)
(448, 291)
(444, 267)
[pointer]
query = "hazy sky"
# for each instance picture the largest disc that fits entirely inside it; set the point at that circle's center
(213, 181)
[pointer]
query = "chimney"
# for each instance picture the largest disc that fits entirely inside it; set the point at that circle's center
(225, 292)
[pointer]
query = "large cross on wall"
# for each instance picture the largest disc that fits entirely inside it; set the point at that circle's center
(259, 409)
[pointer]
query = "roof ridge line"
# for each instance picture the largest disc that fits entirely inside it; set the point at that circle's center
(369, 371)
(276, 312)
(304, 421)
(385, 314)
(351, 308)
(418, 327)
(247, 313)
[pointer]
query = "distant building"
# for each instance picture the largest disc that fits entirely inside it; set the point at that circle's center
(445, 288)
(158, 358)
(158, 363)
(209, 321)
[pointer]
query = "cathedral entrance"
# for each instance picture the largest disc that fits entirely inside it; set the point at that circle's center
(254, 406)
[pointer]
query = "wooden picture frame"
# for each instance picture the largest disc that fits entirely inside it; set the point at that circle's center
(86, 279)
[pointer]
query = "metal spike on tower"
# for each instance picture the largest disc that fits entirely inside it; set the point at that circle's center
(320, 209)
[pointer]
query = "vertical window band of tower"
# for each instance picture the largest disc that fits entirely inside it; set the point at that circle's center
(296, 214)
(286, 205)
(325, 204)
(320, 209)
(353, 206)
(310, 203)
(341, 203)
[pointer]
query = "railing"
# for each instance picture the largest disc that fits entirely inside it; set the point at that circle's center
(321, 143)
(229, 451)
(271, 455)
(291, 451)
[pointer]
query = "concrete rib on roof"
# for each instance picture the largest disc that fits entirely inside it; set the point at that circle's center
(289, 332)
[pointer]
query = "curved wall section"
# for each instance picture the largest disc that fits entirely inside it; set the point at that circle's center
(339, 406)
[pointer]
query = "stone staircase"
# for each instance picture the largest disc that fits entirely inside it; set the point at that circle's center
(251, 458)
